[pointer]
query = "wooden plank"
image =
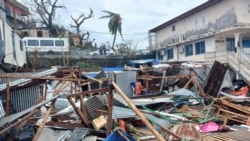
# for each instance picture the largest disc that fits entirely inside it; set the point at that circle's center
(7, 112)
(45, 118)
(137, 111)
(18, 122)
(110, 108)
(78, 111)
(235, 106)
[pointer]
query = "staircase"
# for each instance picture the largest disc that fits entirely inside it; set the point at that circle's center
(239, 63)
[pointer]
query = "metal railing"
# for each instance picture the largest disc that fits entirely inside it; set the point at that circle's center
(219, 55)
(238, 62)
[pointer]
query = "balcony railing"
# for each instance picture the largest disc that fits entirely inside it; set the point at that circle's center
(238, 62)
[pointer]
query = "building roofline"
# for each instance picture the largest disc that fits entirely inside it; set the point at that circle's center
(21, 6)
(186, 14)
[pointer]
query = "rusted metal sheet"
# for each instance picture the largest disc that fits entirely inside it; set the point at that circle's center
(216, 138)
(213, 81)
(186, 132)
(238, 135)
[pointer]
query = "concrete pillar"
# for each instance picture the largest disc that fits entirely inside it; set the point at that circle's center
(237, 43)
(237, 52)
(2, 11)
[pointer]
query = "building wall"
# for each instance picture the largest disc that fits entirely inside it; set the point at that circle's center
(214, 18)
(213, 25)
(243, 10)
(33, 32)
(2, 13)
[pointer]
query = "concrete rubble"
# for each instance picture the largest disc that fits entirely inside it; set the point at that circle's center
(176, 101)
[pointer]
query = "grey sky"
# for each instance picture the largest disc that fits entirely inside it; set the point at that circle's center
(138, 16)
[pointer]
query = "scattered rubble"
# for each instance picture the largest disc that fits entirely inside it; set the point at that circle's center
(179, 101)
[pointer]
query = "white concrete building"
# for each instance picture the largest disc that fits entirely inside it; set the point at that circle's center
(213, 27)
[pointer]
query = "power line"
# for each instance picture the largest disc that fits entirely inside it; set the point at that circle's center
(142, 33)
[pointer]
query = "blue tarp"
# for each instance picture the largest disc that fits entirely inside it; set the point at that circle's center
(114, 136)
(112, 69)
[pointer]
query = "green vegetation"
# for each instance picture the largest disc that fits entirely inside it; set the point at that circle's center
(85, 66)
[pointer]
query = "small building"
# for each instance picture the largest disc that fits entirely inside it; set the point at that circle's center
(16, 13)
(212, 26)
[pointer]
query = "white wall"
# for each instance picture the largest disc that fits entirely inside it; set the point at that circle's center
(205, 21)
(204, 25)
(11, 49)
(243, 10)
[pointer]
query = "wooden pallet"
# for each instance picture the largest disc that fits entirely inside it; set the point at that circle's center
(216, 138)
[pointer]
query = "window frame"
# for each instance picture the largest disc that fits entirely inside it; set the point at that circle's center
(59, 41)
(32, 42)
(47, 43)
(170, 53)
(173, 28)
(200, 47)
(189, 49)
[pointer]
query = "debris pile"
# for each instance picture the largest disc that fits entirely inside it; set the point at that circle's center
(178, 101)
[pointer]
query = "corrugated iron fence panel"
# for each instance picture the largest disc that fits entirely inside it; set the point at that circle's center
(2, 112)
(124, 80)
(23, 98)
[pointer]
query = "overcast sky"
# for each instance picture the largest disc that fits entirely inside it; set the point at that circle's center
(138, 16)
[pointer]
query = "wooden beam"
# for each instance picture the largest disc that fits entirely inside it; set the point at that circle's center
(7, 112)
(110, 107)
(137, 111)
(18, 122)
(45, 118)
(78, 111)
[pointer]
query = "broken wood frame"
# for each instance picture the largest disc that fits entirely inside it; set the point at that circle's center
(148, 78)
(242, 116)
(28, 112)
(82, 111)
(67, 81)
(45, 118)
(137, 111)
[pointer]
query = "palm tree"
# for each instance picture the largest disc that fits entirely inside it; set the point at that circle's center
(114, 25)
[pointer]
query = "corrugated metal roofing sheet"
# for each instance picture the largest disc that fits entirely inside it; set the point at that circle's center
(120, 112)
(91, 105)
(159, 121)
(54, 135)
(2, 113)
(79, 133)
(23, 98)
(90, 138)
(143, 101)
(13, 117)
(20, 81)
